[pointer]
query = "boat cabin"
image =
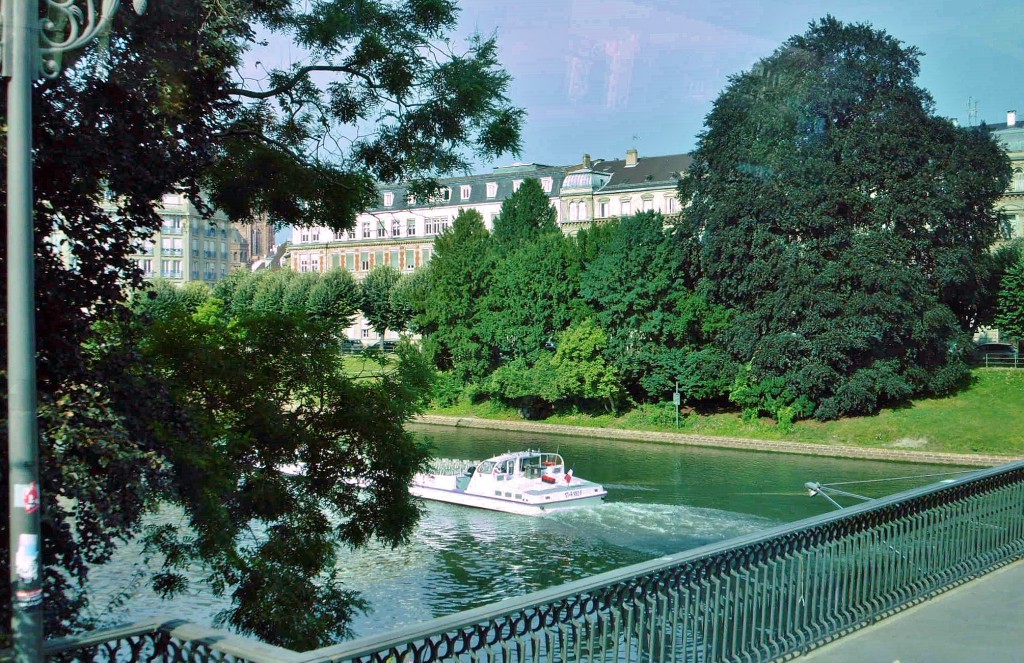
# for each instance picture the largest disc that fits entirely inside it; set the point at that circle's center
(528, 464)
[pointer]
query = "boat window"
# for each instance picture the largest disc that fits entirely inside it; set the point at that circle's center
(486, 467)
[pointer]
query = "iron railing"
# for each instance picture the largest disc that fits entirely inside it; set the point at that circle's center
(760, 597)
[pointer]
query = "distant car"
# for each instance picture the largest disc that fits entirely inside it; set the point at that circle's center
(995, 351)
(351, 345)
(389, 346)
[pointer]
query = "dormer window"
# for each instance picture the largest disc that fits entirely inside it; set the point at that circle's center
(516, 184)
(492, 189)
(465, 191)
(546, 183)
(389, 199)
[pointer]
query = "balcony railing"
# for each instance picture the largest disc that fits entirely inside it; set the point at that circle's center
(760, 597)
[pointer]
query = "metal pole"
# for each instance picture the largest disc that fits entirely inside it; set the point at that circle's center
(20, 64)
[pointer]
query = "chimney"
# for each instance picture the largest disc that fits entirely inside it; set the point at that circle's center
(586, 161)
(631, 157)
(1011, 118)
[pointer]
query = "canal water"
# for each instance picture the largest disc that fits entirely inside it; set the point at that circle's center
(662, 499)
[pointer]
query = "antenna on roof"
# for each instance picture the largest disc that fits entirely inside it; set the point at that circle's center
(972, 111)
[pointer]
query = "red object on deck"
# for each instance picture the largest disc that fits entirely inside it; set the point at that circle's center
(547, 478)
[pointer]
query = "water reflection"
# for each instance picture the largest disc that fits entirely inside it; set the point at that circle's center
(662, 499)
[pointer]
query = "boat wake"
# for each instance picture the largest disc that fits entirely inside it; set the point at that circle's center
(659, 529)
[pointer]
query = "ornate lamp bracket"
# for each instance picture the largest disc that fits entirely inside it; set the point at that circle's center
(68, 26)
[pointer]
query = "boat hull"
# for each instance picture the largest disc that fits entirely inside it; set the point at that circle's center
(504, 504)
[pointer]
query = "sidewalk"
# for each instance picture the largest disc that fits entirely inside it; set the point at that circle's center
(982, 620)
(806, 449)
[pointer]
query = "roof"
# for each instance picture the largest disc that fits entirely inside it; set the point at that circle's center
(648, 171)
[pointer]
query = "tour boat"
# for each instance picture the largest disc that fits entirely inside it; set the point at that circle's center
(529, 483)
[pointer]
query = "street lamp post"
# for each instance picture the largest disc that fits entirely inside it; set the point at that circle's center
(32, 47)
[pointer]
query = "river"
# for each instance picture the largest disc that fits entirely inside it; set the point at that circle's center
(662, 499)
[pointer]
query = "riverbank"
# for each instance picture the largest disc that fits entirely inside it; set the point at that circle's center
(747, 444)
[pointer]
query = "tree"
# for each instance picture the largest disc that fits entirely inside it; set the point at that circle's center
(162, 109)
(525, 215)
(534, 295)
(1010, 315)
(843, 222)
(641, 283)
(255, 391)
(458, 277)
(581, 372)
(379, 303)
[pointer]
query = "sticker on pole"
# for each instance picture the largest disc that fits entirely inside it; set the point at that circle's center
(26, 559)
(27, 598)
(26, 496)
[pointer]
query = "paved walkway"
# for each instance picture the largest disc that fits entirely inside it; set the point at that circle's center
(778, 446)
(981, 621)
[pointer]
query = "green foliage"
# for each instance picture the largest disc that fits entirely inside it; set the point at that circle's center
(268, 388)
(533, 296)
(458, 277)
(641, 286)
(845, 225)
(525, 215)
(160, 109)
(381, 306)
(580, 370)
(1010, 315)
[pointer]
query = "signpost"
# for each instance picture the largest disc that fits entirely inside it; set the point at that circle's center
(675, 399)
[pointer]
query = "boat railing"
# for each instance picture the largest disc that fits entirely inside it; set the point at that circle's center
(449, 466)
(765, 596)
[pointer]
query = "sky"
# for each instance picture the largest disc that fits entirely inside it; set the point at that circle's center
(604, 76)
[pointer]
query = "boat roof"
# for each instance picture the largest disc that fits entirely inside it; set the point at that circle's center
(521, 454)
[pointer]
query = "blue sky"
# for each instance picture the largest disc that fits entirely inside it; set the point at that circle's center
(602, 76)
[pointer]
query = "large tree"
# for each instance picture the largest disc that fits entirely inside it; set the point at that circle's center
(843, 221)
(1010, 315)
(174, 102)
(642, 286)
(255, 390)
(457, 279)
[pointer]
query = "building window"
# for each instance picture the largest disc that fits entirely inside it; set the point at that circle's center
(648, 204)
(335, 260)
(410, 258)
(304, 237)
(378, 258)
(395, 257)
(546, 183)
(1018, 180)
(366, 230)
(396, 228)
(351, 233)
(147, 267)
(445, 193)
(626, 207)
(516, 184)
(434, 225)
(604, 209)
(195, 248)
(492, 189)
(465, 191)
(410, 228)
(366, 332)
(350, 262)
(381, 230)
(364, 261)
(410, 199)
(315, 236)
(425, 256)
(389, 199)
(670, 204)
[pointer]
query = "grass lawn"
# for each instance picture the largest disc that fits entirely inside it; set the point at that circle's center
(363, 366)
(988, 417)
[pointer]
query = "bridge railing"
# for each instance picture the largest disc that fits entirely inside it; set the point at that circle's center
(755, 598)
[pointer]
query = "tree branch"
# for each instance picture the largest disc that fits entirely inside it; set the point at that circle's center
(299, 75)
